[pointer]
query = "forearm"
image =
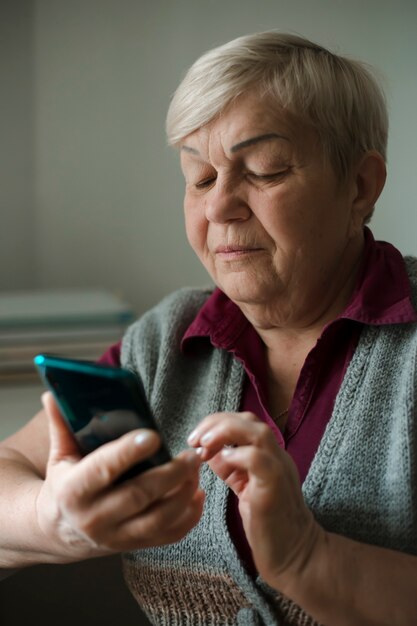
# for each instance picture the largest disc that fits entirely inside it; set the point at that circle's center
(347, 583)
(21, 541)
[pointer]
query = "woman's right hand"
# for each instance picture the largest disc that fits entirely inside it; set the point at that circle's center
(82, 514)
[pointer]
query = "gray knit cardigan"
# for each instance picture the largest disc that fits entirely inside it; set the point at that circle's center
(362, 481)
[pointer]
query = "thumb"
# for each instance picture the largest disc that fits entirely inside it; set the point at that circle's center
(63, 446)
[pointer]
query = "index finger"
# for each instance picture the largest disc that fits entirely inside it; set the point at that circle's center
(231, 429)
(214, 419)
(102, 467)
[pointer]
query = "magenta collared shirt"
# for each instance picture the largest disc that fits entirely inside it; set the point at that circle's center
(381, 296)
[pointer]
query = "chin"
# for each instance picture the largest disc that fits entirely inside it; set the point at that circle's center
(245, 292)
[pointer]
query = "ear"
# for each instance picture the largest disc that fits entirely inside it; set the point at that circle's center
(369, 177)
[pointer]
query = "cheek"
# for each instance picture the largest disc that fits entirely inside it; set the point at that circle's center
(196, 228)
(282, 215)
(298, 213)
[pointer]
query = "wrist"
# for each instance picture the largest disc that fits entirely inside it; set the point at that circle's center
(56, 544)
(299, 577)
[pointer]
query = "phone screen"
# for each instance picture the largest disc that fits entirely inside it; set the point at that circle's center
(100, 403)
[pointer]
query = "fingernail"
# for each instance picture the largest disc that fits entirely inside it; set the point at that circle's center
(142, 438)
(206, 438)
(192, 436)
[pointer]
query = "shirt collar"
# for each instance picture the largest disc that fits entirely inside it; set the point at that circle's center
(381, 296)
(383, 293)
(219, 319)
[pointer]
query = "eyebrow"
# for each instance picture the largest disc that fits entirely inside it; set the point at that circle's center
(242, 144)
(190, 150)
(254, 140)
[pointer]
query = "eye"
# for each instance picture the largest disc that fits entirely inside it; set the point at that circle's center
(268, 177)
(204, 184)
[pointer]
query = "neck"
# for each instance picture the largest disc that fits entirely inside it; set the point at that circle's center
(289, 340)
(299, 317)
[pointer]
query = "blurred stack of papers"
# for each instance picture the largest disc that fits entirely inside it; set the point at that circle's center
(69, 323)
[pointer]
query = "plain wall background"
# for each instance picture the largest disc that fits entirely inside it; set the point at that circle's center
(89, 192)
(17, 124)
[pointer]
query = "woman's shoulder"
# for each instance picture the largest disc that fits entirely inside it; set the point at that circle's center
(411, 267)
(168, 320)
(180, 306)
(182, 300)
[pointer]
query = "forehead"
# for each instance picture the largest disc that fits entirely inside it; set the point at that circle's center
(249, 122)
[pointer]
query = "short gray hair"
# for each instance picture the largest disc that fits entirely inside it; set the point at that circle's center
(338, 97)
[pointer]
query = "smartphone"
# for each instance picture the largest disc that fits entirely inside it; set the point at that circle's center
(99, 403)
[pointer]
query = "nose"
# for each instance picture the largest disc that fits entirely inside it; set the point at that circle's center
(226, 202)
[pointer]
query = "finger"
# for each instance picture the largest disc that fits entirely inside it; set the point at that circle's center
(139, 494)
(101, 468)
(262, 467)
(104, 532)
(211, 421)
(63, 446)
(166, 523)
(249, 460)
(235, 478)
(232, 430)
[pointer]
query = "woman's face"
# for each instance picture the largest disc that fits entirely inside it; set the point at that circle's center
(265, 213)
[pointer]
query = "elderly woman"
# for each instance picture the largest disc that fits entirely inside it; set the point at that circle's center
(294, 379)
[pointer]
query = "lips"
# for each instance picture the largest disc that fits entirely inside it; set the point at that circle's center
(236, 249)
(235, 252)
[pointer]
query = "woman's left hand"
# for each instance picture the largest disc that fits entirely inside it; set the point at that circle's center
(279, 527)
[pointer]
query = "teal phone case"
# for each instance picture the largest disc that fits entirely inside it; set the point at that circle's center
(100, 403)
